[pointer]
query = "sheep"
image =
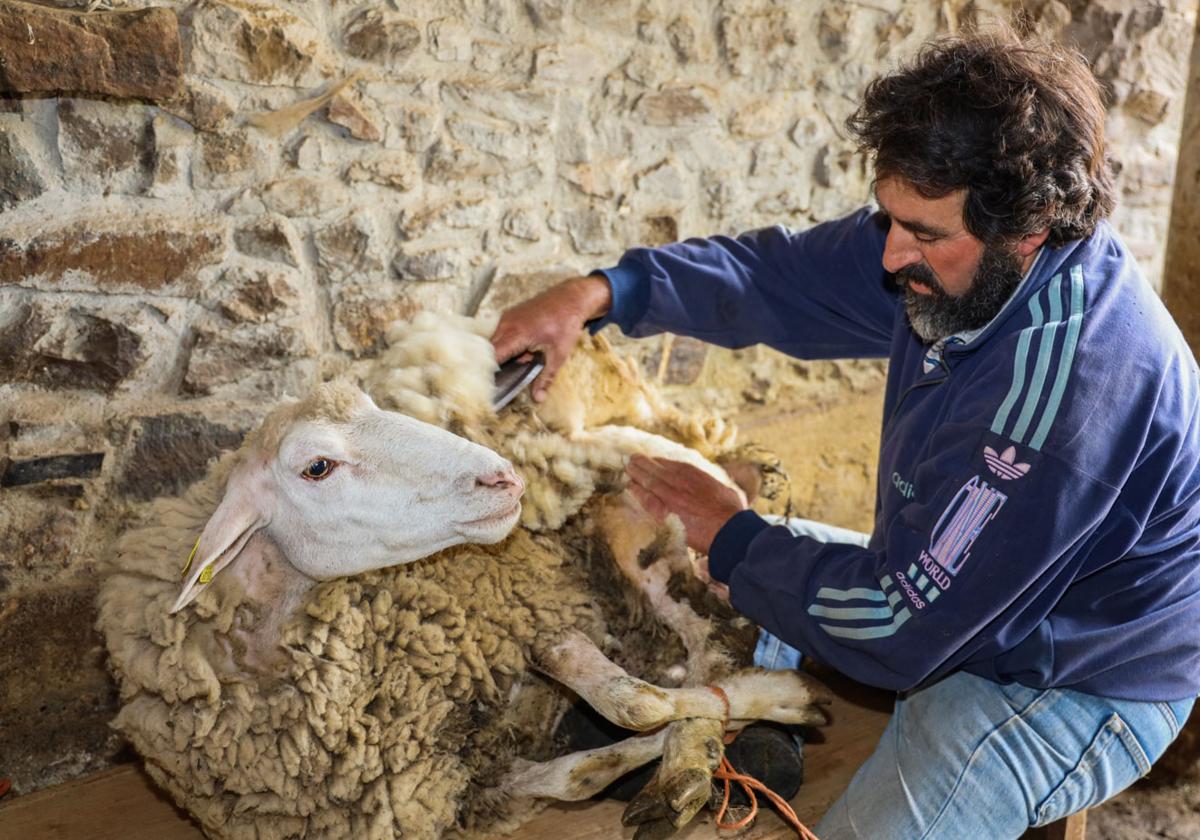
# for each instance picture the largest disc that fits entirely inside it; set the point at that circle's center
(312, 680)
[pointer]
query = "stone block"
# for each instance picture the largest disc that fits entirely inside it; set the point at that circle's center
(510, 287)
(449, 40)
(56, 694)
(270, 238)
(658, 230)
(255, 295)
(228, 158)
(42, 527)
(348, 249)
(396, 170)
(170, 452)
(260, 43)
(379, 36)
(547, 14)
(125, 54)
(361, 317)
(201, 105)
(416, 123)
(104, 146)
(751, 38)
(305, 196)
(225, 354)
(15, 473)
(358, 115)
(685, 42)
(523, 224)
(170, 164)
(469, 212)
(19, 176)
(567, 64)
(680, 107)
(759, 119)
(66, 350)
(113, 251)
(448, 162)
(588, 229)
(602, 179)
(494, 137)
(434, 264)
(1148, 105)
(533, 109)
(664, 181)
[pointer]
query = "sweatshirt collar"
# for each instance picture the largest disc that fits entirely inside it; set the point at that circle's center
(966, 338)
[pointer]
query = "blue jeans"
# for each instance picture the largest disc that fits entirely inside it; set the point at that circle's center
(967, 757)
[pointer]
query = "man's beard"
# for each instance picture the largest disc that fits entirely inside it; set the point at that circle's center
(937, 315)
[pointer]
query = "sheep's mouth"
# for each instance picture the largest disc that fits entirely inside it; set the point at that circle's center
(495, 518)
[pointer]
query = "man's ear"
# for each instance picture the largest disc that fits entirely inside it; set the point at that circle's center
(244, 509)
(1026, 245)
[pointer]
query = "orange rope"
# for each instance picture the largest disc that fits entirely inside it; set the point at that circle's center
(727, 774)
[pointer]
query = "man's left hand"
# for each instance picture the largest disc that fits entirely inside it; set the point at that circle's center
(699, 500)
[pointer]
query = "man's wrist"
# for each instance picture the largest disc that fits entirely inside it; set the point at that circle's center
(594, 295)
(731, 543)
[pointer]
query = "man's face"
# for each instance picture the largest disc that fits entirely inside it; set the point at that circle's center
(952, 282)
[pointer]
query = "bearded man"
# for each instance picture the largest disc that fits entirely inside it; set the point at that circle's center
(1031, 587)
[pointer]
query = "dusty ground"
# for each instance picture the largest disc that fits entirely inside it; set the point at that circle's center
(830, 451)
(1148, 811)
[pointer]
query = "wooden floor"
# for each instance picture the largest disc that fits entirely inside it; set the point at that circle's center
(121, 804)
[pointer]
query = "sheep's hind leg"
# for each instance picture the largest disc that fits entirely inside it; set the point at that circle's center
(582, 774)
(683, 783)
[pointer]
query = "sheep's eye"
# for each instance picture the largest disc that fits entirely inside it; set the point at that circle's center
(318, 469)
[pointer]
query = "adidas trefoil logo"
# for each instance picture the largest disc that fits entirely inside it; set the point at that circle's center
(1002, 465)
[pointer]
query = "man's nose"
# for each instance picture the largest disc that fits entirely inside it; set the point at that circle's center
(899, 249)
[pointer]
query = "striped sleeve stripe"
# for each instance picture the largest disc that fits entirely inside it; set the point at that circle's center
(1047, 333)
(1074, 324)
(1018, 381)
(861, 593)
(885, 611)
(881, 631)
(1045, 348)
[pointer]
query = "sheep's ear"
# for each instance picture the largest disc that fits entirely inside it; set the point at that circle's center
(244, 509)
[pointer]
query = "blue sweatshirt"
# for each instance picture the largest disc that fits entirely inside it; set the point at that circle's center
(1037, 512)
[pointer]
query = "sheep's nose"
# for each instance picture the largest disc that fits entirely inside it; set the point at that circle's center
(505, 479)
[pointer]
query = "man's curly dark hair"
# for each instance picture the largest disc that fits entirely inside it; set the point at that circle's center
(1017, 122)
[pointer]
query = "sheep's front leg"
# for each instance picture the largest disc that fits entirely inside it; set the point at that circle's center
(753, 693)
(576, 662)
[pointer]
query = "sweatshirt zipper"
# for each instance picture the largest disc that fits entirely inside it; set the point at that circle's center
(910, 389)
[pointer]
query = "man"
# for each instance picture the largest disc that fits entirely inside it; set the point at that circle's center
(1032, 583)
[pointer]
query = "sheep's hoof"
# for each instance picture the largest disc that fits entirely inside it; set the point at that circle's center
(687, 793)
(646, 807)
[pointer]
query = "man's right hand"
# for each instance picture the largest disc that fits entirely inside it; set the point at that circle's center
(552, 323)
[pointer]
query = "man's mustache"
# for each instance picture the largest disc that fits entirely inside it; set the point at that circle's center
(921, 274)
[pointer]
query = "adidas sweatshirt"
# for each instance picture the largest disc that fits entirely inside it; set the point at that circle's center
(1037, 512)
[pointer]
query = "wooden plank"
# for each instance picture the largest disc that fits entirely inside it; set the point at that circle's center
(122, 803)
(112, 805)
(1073, 827)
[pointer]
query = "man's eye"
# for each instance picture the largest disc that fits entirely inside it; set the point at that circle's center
(318, 469)
(925, 239)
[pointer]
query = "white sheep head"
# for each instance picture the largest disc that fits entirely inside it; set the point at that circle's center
(342, 487)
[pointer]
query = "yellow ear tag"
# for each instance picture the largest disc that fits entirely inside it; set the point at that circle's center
(207, 574)
(191, 557)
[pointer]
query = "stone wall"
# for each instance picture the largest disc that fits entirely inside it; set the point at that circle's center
(1181, 286)
(209, 205)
